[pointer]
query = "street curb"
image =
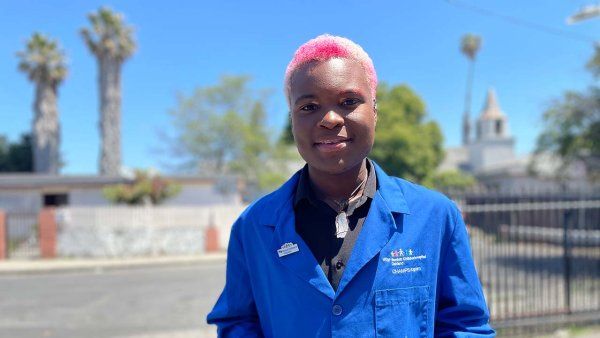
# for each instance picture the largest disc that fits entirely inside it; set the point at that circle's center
(75, 265)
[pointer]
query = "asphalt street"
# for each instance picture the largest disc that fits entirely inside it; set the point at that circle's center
(171, 301)
(149, 302)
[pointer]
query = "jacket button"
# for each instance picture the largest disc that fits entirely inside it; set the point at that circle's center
(339, 265)
(337, 310)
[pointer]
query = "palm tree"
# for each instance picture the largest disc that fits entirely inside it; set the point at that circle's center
(44, 63)
(469, 46)
(111, 41)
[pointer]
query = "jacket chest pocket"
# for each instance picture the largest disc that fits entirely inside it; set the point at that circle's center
(402, 313)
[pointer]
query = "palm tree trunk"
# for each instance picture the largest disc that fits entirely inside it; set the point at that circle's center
(46, 130)
(110, 115)
(466, 134)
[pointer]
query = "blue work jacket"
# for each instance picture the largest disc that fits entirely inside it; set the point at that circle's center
(410, 273)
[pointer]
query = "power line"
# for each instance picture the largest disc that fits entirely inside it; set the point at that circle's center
(520, 22)
(585, 13)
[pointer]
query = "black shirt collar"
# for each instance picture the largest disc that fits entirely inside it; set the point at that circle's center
(304, 190)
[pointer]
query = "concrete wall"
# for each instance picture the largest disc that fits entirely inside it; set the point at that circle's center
(140, 231)
(20, 200)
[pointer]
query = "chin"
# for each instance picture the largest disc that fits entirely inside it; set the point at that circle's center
(334, 166)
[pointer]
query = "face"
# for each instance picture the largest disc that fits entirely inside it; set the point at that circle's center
(333, 114)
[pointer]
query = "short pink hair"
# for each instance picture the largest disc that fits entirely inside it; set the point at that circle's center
(325, 47)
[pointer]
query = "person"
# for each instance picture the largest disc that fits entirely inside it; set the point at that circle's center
(342, 249)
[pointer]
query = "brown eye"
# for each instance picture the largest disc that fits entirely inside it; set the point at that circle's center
(309, 107)
(350, 102)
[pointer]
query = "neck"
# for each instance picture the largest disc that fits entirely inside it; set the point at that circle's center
(338, 186)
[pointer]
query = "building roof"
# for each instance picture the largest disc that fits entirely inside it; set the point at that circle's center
(491, 109)
(39, 181)
(32, 181)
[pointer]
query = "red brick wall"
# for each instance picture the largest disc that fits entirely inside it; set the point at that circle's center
(211, 239)
(48, 229)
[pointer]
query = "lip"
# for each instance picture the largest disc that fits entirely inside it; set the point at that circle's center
(332, 144)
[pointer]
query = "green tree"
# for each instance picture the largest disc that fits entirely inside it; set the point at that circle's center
(572, 131)
(16, 157)
(44, 63)
(220, 130)
(146, 188)
(450, 181)
(593, 64)
(287, 137)
(111, 42)
(254, 142)
(406, 145)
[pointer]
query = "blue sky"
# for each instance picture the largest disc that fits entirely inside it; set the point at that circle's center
(185, 44)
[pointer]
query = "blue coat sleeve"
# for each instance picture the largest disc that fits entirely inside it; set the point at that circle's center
(235, 311)
(461, 307)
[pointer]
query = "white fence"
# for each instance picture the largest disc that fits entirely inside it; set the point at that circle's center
(140, 231)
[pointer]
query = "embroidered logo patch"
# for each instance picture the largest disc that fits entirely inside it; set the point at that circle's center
(404, 260)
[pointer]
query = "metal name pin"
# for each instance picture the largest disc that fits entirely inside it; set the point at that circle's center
(287, 248)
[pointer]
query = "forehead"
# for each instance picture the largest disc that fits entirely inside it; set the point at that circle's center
(330, 75)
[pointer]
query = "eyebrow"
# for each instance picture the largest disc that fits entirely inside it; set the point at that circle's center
(303, 97)
(345, 92)
(353, 91)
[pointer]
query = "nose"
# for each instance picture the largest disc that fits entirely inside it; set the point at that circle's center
(331, 120)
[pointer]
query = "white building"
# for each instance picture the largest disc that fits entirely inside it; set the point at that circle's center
(491, 157)
(493, 146)
(31, 192)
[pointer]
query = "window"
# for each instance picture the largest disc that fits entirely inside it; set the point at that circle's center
(55, 200)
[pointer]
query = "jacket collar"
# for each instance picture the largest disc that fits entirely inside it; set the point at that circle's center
(388, 201)
(388, 188)
(277, 201)
(305, 191)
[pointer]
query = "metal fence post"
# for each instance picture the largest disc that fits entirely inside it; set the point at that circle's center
(567, 258)
(3, 236)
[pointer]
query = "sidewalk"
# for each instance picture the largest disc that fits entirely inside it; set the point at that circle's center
(79, 264)
(208, 332)
(582, 332)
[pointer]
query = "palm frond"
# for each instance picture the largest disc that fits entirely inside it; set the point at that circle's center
(470, 45)
(109, 35)
(43, 60)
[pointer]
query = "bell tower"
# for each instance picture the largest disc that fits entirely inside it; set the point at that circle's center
(492, 123)
(493, 145)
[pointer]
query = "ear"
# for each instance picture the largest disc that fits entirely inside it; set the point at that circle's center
(291, 122)
(375, 110)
